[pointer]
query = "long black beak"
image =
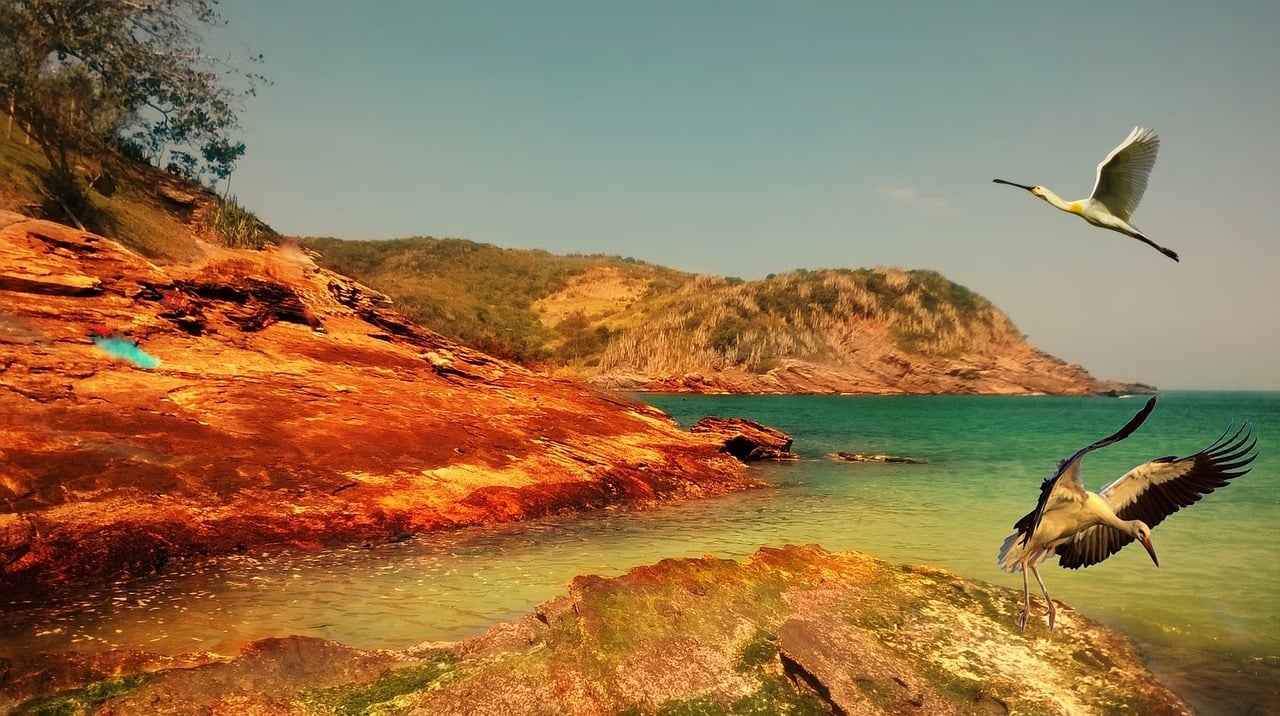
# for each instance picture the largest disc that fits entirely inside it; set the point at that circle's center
(1020, 186)
(1150, 550)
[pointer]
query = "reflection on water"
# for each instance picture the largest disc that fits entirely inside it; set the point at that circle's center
(1207, 618)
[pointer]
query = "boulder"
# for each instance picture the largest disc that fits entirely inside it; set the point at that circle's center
(746, 439)
(877, 457)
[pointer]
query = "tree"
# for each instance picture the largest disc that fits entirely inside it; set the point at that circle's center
(90, 78)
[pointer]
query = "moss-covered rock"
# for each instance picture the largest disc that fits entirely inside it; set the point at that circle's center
(793, 630)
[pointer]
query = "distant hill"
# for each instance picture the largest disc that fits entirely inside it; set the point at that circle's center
(485, 296)
(621, 323)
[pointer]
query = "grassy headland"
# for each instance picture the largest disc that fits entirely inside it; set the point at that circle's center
(590, 315)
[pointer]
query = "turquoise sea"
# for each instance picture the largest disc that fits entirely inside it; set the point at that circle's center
(1208, 619)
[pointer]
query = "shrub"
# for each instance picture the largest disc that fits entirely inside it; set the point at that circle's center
(236, 226)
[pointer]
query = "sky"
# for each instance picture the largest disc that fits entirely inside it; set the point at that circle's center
(744, 137)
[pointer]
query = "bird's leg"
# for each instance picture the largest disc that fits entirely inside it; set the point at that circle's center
(1026, 597)
(1167, 252)
(1053, 611)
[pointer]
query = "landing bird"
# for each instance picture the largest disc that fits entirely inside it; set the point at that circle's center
(1081, 528)
(1122, 180)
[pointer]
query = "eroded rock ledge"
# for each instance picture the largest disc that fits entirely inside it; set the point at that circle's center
(790, 630)
(746, 439)
(290, 405)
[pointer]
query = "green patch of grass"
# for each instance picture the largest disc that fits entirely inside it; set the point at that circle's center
(760, 649)
(132, 211)
(236, 226)
(356, 699)
(80, 701)
(778, 695)
(581, 343)
(21, 166)
(697, 706)
(129, 217)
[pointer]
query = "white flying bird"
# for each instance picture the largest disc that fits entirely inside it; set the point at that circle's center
(1122, 180)
(1081, 528)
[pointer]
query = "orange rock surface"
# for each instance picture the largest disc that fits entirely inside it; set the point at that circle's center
(290, 405)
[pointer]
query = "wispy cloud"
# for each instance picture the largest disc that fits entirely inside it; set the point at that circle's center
(911, 198)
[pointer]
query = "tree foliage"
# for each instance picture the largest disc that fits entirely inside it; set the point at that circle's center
(90, 77)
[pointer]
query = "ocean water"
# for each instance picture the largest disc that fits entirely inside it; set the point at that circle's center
(1208, 619)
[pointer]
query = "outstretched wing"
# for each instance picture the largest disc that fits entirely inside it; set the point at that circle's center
(1122, 176)
(1152, 491)
(1066, 482)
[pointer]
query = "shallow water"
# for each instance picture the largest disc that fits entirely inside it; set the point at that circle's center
(1207, 618)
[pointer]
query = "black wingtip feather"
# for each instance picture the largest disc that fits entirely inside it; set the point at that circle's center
(1134, 423)
(1214, 467)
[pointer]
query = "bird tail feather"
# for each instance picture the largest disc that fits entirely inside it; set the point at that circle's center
(1011, 554)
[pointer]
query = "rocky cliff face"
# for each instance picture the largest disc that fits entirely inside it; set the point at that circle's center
(795, 630)
(1022, 370)
(151, 415)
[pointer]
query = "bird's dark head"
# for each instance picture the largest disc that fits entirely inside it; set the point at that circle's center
(1142, 533)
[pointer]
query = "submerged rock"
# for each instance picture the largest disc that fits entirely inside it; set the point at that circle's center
(790, 630)
(878, 457)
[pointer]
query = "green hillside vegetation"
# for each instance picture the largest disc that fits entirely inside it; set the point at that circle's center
(497, 299)
(151, 211)
(479, 294)
(804, 315)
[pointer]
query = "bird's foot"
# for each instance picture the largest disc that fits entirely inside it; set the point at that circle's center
(1023, 616)
(1052, 614)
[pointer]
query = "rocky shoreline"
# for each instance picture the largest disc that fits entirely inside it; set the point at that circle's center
(1028, 371)
(788, 630)
(279, 404)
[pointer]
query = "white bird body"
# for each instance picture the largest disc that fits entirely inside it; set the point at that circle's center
(1082, 528)
(1064, 516)
(1120, 184)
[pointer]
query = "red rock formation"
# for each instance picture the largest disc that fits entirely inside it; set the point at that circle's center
(746, 439)
(1020, 370)
(290, 405)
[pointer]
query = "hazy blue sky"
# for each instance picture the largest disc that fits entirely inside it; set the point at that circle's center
(743, 138)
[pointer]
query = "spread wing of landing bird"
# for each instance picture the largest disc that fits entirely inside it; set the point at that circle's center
(1082, 528)
(1121, 182)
